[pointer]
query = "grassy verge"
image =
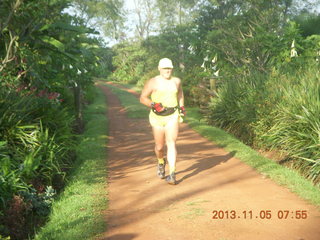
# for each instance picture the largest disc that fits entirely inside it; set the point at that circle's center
(77, 213)
(133, 108)
(267, 167)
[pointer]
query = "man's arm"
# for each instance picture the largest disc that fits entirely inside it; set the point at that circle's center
(146, 92)
(182, 109)
(180, 94)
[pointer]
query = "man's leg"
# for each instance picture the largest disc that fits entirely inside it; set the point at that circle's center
(171, 134)
(159, 138)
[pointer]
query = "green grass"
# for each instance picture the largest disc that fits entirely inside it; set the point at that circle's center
(132, 87)
(267, 167)
(132, 106)
(77, 213)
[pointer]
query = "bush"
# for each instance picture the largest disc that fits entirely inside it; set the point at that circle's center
(279, 111)
(235, 109)
(36, 148)
(295, 127)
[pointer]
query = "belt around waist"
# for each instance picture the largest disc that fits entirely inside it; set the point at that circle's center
(166, 112)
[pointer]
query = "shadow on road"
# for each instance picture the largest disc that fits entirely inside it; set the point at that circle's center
(204, 164)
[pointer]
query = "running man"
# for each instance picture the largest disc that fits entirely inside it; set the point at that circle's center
(164, 95)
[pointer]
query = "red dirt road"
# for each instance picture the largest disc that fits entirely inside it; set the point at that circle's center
(144, 207)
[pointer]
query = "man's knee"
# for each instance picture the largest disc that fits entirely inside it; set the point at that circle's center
(159, 147)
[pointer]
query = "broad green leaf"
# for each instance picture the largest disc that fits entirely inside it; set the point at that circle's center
(54, 42)
(88, 45)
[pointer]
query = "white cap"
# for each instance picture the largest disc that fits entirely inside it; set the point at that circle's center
(165, 63)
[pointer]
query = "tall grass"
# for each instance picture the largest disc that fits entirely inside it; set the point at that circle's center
(277, 111)
(236, 107)
(295, 127)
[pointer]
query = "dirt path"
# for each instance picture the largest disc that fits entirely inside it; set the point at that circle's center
(141, 206)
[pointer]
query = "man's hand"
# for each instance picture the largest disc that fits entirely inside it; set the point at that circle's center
(182, 110)
(158, 107)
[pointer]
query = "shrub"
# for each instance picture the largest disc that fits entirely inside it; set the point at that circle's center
(295, 127)
(36, 148)
(235, 108)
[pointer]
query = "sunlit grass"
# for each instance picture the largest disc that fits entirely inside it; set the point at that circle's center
(132, 106)
(77, 213)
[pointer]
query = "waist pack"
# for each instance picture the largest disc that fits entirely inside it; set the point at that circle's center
(167, 111)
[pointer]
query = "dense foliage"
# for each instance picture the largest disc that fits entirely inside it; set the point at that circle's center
(47, 60)
(251, 66)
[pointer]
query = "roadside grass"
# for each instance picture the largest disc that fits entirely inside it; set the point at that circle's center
(286, 177)
(132, 106)
(77, 212)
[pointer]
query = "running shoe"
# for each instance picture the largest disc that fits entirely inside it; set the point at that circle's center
(161, 170)
(171, 179)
